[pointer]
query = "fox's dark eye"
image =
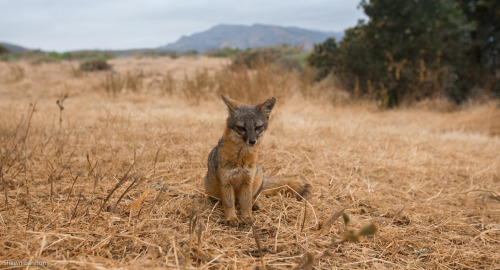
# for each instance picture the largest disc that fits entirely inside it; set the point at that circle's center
(259, 129)
(240, 129)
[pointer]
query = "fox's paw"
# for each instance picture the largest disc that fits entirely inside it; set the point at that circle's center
(232, 221)
(247, 220)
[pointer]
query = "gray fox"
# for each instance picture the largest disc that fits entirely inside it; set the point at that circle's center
(232, 164)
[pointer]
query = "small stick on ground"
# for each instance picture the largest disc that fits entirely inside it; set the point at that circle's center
(76, 207)
(51, 180)
(122, 180)
(279, 224)
(71, 189)
(200, 231)
(28, 219)
(156, 160)
(4, 188)
(175, 254)
(193, 220)
(329, 223)
(148, 213)
(259, 247)
(155, 200)
(137, 181)
(305, 214)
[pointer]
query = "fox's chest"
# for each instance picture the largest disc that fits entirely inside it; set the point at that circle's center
(239, 175)
(237, 163)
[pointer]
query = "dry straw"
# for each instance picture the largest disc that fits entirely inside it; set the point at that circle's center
(116, 181)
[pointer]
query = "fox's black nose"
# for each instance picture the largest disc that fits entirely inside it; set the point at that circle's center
(252, 141)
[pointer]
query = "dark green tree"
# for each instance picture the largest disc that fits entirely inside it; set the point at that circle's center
(484, 54)
(406, 50)
(323, 57)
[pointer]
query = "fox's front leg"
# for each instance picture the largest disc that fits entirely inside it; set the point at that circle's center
(227, 192)
(245, 199)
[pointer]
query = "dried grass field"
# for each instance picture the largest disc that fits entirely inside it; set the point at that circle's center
(104, 170)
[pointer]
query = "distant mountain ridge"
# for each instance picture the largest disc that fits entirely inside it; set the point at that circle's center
(14, 48)
(255, 36)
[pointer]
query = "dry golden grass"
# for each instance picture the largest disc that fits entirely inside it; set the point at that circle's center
(118, 182)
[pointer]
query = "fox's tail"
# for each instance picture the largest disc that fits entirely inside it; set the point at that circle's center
(295, 185)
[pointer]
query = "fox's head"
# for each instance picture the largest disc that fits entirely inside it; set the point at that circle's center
(248, 123)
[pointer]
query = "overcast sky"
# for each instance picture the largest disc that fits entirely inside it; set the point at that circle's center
(61, 25)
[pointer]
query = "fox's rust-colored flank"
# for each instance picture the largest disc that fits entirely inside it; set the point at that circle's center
(232, 165)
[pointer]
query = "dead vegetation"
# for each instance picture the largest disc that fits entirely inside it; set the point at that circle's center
(114, 178)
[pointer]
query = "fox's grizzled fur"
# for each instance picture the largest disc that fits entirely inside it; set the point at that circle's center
(232, 164)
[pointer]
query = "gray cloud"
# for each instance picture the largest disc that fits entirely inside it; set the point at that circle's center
(118, 24)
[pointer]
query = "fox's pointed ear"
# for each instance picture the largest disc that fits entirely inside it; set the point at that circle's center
(266, 107)
(231, 104)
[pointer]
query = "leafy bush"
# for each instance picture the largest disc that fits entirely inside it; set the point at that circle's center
(3, 50)
(85, 55)
(38, 56)
(94, 65)
(324, 57)
(224, 52)
(291, 58)
(55, 56)
(411, 50)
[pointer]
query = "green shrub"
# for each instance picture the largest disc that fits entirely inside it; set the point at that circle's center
(290, 58)
(85, 55)
(94, 65)
(55, 56)
(224, 52)
(3, 50)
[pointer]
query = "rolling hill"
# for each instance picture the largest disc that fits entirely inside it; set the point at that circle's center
(13, 48)
(255, 36)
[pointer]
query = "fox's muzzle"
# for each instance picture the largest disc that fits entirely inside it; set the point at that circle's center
(251, 138)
